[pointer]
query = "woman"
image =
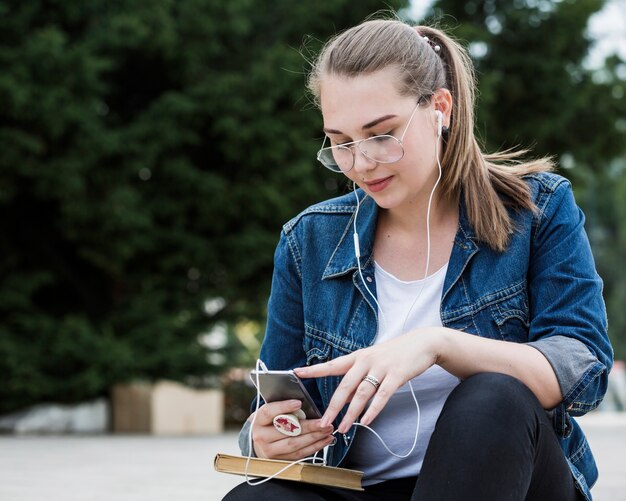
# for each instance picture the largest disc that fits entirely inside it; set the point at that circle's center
(463, 278)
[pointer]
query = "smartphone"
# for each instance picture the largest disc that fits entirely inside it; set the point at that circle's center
(285, 385)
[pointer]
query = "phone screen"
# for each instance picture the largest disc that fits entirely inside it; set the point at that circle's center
(275, 386)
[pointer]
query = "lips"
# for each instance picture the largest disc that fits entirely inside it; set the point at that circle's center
(378, 184)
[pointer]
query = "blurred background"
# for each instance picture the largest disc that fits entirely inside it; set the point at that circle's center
(150, 151)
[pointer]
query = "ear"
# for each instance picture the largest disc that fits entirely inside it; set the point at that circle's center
(442, 101)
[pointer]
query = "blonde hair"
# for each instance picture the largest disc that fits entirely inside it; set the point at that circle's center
(488, 182)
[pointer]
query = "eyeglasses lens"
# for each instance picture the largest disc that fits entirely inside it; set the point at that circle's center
(381, 149)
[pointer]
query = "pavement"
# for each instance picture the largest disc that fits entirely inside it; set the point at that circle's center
(140, 467)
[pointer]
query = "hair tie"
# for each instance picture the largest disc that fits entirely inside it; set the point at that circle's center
(435, 46)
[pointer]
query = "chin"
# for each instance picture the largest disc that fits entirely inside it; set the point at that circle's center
(385, 202)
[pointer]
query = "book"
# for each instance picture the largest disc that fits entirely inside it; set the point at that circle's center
(301, 472)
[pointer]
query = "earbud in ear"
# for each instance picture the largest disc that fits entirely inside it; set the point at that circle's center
(439, 122)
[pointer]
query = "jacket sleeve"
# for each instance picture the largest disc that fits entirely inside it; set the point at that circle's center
(283, 346)
(568, 316)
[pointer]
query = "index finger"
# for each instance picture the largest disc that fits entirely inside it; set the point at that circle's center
(337, 367)
(342, 395)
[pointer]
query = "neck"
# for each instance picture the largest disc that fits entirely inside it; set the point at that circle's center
(411, 216)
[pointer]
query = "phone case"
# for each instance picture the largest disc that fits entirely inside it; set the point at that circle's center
(285, 385)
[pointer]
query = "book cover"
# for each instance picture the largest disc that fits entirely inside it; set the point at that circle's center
(301, 472)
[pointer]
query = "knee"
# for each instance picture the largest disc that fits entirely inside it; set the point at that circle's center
(496, 384)
(243, 492)
(494, 396)
(274, 489)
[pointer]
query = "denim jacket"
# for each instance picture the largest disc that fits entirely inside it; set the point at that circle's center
(543, 291)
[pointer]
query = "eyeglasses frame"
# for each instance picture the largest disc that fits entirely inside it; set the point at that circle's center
(355, 144)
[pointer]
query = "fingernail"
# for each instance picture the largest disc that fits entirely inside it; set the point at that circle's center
(295, 403)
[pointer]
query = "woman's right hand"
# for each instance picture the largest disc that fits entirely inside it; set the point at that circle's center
(269, 443)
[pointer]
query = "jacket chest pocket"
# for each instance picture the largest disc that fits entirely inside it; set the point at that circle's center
(509, 316)
(321, 347)
(318, 350)
(503, 314)
(464, 323)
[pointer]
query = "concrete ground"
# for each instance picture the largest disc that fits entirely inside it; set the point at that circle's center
(133, 468)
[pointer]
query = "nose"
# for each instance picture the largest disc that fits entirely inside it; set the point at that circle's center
(362, 163)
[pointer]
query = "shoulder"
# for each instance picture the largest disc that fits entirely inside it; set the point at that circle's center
(546, 183)
(555, 204)
(548, 191)
(329, 212)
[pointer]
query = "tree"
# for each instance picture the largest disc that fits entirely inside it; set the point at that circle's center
(151, 151)
(536, 91)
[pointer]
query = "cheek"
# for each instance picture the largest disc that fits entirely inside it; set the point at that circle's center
(421, 153)
(353, 176)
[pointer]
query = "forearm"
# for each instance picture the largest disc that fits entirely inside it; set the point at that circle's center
(463, 355)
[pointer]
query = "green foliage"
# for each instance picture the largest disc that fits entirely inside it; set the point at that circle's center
(151, 150)
(537, 92)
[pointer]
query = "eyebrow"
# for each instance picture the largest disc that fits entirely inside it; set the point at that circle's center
(368, 125)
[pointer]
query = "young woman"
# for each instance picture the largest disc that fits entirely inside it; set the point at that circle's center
(462, 279)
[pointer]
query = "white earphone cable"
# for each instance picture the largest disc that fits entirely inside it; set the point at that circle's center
(358, 256)
(357, 252)
(430, 199)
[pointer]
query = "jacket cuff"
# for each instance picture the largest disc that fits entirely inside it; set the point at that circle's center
(244, 440)
(570, 359)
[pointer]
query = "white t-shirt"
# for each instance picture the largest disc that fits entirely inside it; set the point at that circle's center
(396, 422)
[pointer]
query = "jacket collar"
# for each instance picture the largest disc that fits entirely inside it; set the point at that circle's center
(465, 246)
(343, 259)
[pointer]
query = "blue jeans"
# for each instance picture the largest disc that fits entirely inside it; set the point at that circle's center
(492, 442)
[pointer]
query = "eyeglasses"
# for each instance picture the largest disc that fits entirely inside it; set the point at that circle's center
(384, 149)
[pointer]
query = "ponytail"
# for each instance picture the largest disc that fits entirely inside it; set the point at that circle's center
(487, 182)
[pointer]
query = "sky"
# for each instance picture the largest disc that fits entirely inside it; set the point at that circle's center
(607, 28)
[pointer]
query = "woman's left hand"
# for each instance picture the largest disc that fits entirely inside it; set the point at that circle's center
(392, 363)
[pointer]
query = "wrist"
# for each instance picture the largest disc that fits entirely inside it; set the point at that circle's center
(442, 341)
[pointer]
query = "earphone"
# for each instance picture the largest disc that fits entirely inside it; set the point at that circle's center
(439, 122)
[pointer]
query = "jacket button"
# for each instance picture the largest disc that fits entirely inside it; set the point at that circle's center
(369, 279)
